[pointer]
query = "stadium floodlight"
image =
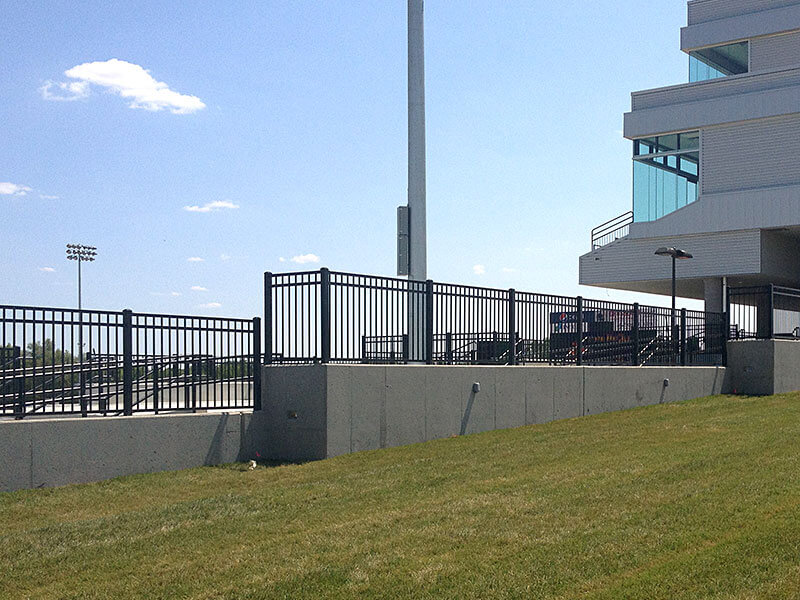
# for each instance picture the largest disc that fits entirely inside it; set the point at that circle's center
(676, 254)
(80, 253)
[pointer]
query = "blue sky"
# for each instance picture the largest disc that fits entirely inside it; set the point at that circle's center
(284, 123)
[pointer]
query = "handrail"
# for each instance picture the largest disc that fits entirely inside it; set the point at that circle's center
(607, 232)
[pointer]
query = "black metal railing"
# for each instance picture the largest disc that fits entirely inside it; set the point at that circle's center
(325, 316)
(763, 312)
(611, 230)
(61, 361)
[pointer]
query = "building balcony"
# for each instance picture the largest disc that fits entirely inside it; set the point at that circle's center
(734, 85)
(713, 102)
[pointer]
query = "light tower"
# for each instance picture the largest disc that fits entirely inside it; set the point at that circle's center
(411, 221)
(80, 253)
(417, 255)
(412, 259)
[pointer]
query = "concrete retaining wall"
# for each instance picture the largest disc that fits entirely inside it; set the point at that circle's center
(764, 367)
(60, 451)
(319, 411)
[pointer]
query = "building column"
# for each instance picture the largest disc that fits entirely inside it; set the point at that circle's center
(714, 294)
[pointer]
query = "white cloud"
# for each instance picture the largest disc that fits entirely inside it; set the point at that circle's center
(173, 294)
(47, 269)
(225, 256)
(305, 259)
(48, 197)
(281, 259)
(195, 259)
(211, 305)
(479, 270)
(211, 206)
(128, 80)
(13, 189)
(64, 92)
(199, 288)
(508, 270)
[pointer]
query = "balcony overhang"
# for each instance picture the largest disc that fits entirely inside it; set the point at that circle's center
(736, 106)
(740, 27)
(744, 257)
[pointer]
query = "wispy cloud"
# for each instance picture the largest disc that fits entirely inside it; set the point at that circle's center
(224, 256)
(508, 270)
(47, 269)
(211, 206)
(211, 305)
(173, 294)
(479, 270)
(199, 288)
(195, 259)
(48, 197)
(13, 189)
(128, 80)
(303, 259)
(67, 91)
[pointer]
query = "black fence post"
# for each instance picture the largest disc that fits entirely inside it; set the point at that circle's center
(156, 390)
(635, 336)
(84, 402)
(256, 364)
(325, 317)
(579, 328)
(771, 311)
(429, 322)
(19, 407)
(683, 337)
(187, 391)
(267, 318)
(195, 367)
(512, 327)
(127, 362)
(448, 347)
(727, 315)
(405, 347)
(725, 335)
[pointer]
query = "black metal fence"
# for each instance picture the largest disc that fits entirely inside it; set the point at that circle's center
(61, 360)
(763, 312)
(326, 316)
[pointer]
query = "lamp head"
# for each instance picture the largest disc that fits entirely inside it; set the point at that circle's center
(673, 253)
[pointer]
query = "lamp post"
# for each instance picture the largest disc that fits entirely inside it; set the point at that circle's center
(676, 254)
(80, 253)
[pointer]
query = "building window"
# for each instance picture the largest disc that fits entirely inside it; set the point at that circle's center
(720, 61)
(665, 174)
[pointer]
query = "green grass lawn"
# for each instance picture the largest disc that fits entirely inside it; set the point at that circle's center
(693, 500)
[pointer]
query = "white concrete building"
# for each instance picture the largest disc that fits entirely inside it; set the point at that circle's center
(716, 161)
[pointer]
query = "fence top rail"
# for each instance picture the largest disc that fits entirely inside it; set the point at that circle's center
(777, 290)
(59, 309)
(191, 317)
(786, 291)
(118, 313)
(521, 295)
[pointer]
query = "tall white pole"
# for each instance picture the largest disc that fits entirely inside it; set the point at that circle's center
(418, 260)
(417, 252)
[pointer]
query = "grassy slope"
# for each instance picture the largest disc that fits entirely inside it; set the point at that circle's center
(698, 499)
